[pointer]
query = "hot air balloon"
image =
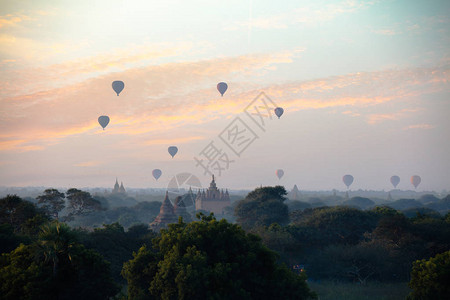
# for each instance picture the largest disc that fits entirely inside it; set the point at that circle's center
(415, 180)
(348, 180)
(103, 121)
(279, 111)
(395, 180)
(222, 87)
(118, 86)
(156, 173)
(279, 173)
(172, 150)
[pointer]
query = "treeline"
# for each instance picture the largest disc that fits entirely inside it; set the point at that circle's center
(344, 243)
(46, 259)
(81, 209)
(425, 204)
(42, 256)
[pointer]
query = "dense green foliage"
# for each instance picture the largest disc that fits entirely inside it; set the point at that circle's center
(216, 259)
(210, 259)
(22, 215)
(117, 245)
(338, 225)
(349, 244)
(55, 266)
(430, 278)
(359, 202)
(263, 206)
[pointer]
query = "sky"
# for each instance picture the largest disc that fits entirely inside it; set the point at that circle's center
(364, 86)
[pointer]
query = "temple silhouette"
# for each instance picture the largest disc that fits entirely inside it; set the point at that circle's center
(212, 199)
(118, 189)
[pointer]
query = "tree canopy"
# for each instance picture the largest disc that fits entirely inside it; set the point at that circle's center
(430, 278)
(20, 214)
(52, 202)
(56, 266)
(262, 207)
(81, 202)
(210, 259)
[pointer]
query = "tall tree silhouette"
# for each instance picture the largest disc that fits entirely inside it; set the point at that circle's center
(81, 202)
(52, 202)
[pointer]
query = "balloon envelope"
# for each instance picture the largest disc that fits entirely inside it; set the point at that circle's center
(348, 180)
(118, 86)
(395, 180)
(172, 150)
(279, 111)
(222, 87)
(157, 173)
(103, 121)
(415, 180)
(279, 173)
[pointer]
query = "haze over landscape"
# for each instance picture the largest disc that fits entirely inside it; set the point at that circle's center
(224, 149)
(364, 86)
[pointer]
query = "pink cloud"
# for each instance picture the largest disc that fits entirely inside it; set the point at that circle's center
(172, 96)
(376, 118)
(88, 164)
(155, 98)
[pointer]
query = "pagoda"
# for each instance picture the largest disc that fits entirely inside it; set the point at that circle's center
(294, 193)
(118, 189)
(166, 215)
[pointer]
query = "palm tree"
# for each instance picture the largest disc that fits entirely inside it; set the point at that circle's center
(56, 243)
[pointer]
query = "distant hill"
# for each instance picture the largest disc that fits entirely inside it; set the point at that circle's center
(424, 211)
(297, 205)
(442, 205)
(403, 204)
(428, 198)
(359, 202)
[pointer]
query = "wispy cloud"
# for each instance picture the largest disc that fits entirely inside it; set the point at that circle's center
(88, 164)
(362, 89)
(419, 126)
(316, 13)
(312, 13)
(12, 19)
(155, 98)
(376, 118)
(33, 51)
(173, 96)
(24, 80)
(351, 113)
(178, 140)
(386, 31)
(21, 145)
